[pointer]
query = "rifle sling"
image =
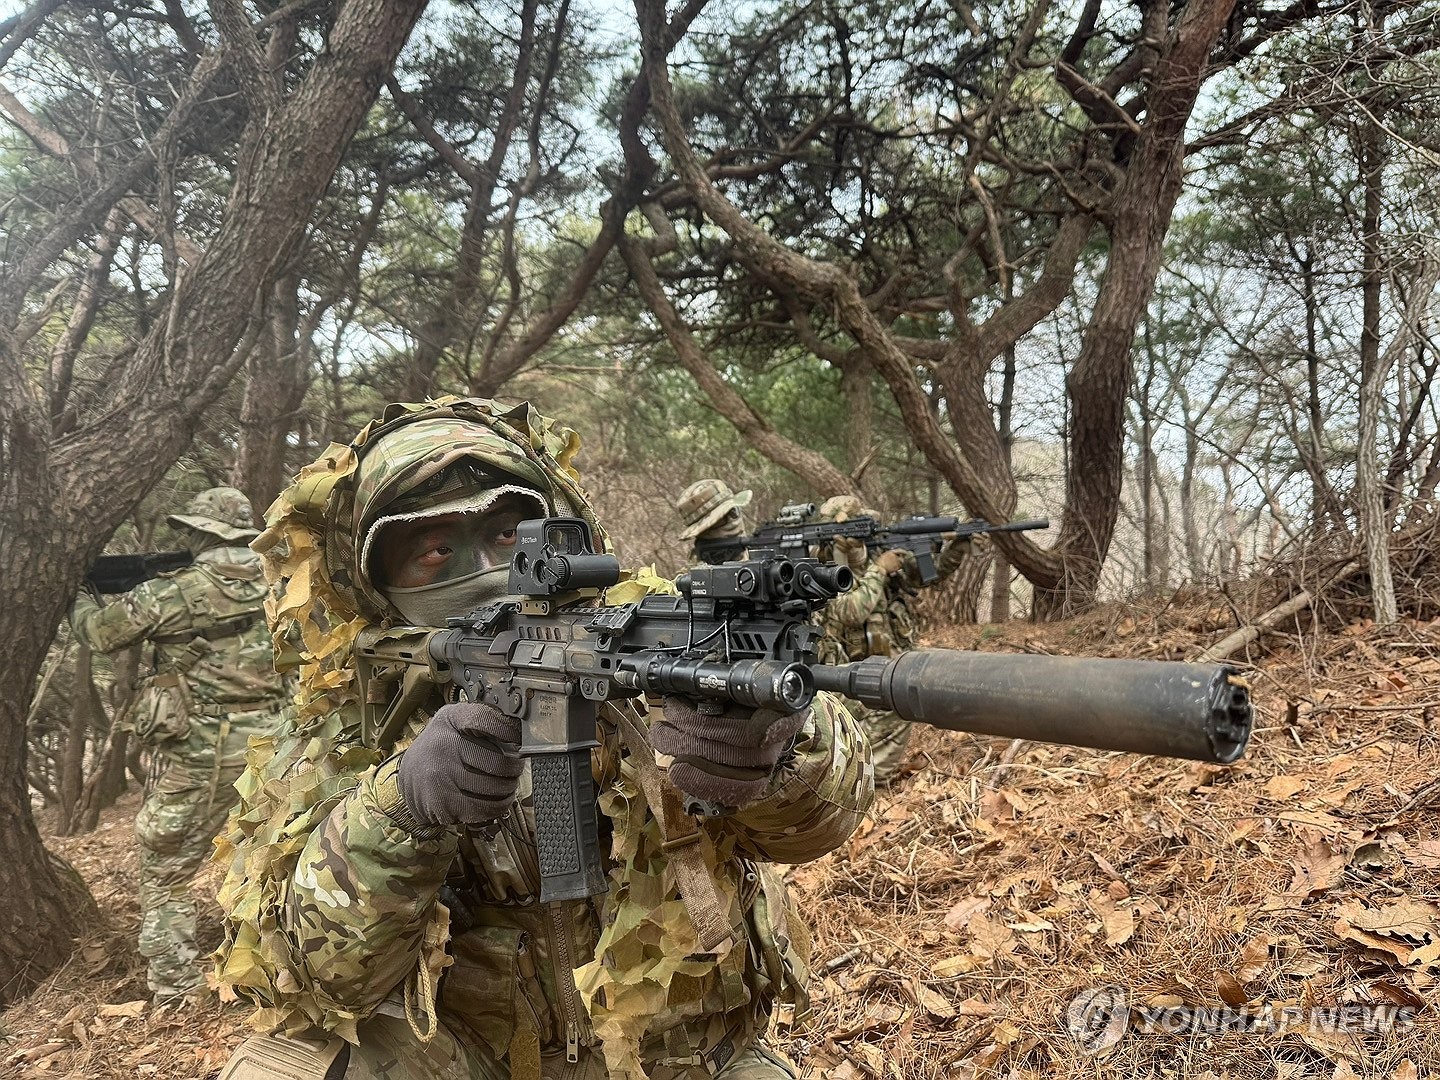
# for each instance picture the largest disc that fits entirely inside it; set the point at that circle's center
(683, 840)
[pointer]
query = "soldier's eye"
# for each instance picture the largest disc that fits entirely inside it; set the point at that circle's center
(502, 528)
(436, 554)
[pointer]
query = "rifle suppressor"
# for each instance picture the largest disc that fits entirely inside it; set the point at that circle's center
(1196, 711)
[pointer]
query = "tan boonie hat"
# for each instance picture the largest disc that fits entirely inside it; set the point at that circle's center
(705, 502)
(223, 511)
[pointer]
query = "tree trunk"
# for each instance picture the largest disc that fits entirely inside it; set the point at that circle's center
(43, 905)
(276, 380)
(1370, 499)
(106, 782)
(1000, 581)
(1325, 504)
(85, 712)
(1098, 383)
(62, 496)
(855, 391)
(1147, 461)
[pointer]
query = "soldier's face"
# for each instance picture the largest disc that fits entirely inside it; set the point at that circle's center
(430, 550)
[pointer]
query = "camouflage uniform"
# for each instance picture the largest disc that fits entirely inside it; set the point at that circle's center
(212, 685)
(875, 619)
(432, 957)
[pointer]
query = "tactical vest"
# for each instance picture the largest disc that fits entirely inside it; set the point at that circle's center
(218, 667)
(888, 630)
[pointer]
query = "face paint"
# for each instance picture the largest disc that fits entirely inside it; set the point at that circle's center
(432, 564)
(730, 525)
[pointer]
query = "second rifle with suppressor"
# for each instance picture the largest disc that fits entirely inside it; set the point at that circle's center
(790, 536)
(742, 633)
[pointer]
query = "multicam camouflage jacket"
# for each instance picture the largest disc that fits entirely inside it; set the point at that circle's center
(520, 969)
(875, 617)
(331, 908)
(211, 682)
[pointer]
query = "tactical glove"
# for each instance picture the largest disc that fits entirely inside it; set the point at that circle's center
(893, 561)
(463, 769)
(726, 759)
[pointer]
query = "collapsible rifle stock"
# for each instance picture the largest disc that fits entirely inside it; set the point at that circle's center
(742, 633)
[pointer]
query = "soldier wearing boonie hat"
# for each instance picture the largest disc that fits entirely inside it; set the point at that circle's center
(211, 686)
(875, 618)
(711, 509)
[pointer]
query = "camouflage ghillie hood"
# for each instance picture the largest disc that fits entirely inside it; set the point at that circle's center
(316, 528)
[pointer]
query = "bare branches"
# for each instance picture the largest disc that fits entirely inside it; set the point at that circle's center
(82, 317)
(19, 28)
(810, 466)
(410, 108)
(111, 190)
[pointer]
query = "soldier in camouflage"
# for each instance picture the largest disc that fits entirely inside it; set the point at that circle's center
(382, 903)
(212, 685)
(875, 619)
(711, 510)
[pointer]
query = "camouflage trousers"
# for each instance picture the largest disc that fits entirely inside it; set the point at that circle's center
(180, 817)
(389, 1050)
(889, 739)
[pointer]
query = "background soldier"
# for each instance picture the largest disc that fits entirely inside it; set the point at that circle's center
(389, 894)
(212, 685)
(875, 619)
(710, 509)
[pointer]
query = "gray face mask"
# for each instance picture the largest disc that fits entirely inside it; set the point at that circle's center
(431, 605)
(462, 593)
(195, 541)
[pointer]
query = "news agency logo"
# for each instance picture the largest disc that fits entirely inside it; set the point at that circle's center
(1099, 1017)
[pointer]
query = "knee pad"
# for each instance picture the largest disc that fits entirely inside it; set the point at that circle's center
(278, 1057)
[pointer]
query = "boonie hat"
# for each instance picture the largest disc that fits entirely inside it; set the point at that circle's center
(704, 503)
(222, 511)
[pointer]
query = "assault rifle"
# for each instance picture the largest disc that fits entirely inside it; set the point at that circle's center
(742, 633)
(788, 538)
(121, 573)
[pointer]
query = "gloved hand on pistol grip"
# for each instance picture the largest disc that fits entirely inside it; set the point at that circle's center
(723, 759)
(464, 768)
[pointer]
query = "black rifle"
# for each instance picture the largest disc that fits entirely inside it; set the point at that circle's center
(742, 633)
(121, 573)
(923, 536)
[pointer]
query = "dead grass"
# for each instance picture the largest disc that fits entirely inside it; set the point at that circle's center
(982, 896)
(980, 899)
(93, 1019)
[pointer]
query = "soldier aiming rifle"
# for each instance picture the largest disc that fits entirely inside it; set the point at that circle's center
(526, 822)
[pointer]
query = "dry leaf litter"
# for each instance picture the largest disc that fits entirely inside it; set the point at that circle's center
(996, 883)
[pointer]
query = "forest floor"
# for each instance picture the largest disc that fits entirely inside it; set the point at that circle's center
(1275, 919)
